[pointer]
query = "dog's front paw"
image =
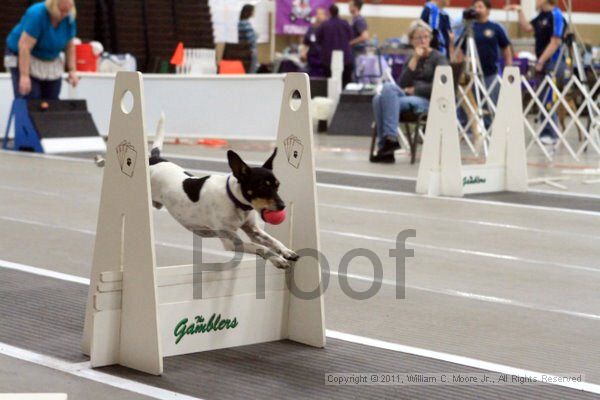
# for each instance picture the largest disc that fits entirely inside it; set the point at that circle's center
(289, 255)
(280, 262)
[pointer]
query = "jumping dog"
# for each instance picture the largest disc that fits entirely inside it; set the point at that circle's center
(217, 206)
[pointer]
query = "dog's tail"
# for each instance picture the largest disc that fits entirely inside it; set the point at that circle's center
(159, 138)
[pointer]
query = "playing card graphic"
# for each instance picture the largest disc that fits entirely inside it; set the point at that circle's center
(127, 156)
(293, 150)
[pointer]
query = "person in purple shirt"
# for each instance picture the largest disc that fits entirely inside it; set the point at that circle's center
(311, 51)
(360, 32)
(335, 34)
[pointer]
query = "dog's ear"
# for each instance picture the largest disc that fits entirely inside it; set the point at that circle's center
(239, 168)
(269, 163)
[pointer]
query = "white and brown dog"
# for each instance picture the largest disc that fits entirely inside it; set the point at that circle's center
(217, 205)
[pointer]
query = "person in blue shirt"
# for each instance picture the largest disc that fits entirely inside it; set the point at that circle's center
(246, 34)
(434, 15)
(549, 28)
(490, 39)
(33, 49)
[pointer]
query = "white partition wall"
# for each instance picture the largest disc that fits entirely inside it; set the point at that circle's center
(195, 105)
(200, 106)
(5, 101)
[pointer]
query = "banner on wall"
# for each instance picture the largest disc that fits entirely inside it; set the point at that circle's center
(293, 16)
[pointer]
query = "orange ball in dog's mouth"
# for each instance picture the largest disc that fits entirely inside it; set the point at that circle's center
(273, 217)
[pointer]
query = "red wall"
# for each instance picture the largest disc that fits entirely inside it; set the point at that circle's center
(578, 5)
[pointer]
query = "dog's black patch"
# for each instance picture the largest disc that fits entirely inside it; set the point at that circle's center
(192, 187)
(187, 173)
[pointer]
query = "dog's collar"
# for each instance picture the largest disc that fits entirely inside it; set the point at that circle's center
(237, 203)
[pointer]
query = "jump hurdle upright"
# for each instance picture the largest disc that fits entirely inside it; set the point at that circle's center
(137, 313)
(440, 169)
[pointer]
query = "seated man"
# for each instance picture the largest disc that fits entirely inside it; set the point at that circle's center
(412, 92)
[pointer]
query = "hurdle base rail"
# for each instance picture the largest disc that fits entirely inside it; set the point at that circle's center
(137, 313)
(238, 316)
(441, 171)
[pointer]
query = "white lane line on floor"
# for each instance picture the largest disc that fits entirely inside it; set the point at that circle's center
(367, 174)
(455, 359)
(474, 296)
(383, 191)
(388, 282)
(93, 233)
(362, 209)
(457, 199)
(46, 156)
(456, 220)
(476, 253)
(370, 174)
(40, 192)
(330, 333)
(83, 370)
(368, 279)
(570, 194)
(43, 272)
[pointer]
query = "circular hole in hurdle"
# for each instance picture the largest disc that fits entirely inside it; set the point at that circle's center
(511, 78)
(127, 102)
(444, 78)
(295, 100)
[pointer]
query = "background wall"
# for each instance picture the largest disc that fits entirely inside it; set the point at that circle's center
(391, 18)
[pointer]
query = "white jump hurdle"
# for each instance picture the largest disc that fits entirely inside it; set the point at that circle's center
(137, 313)
(440, 169)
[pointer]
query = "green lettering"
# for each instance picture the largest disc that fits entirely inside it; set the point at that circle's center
(180, 330)
(473, 180)
(190, 330)
(210, 326)
(215, 323)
